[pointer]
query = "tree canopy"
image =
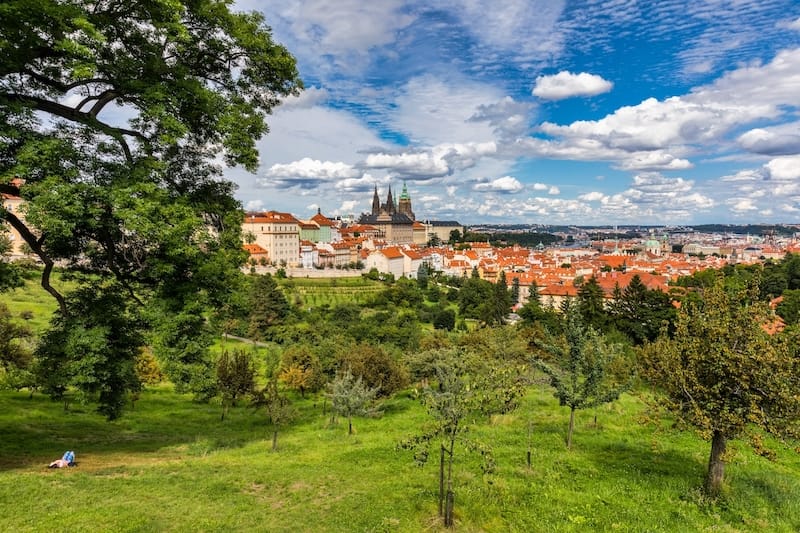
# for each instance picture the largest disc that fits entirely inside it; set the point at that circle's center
(113, 116)
(723, 374)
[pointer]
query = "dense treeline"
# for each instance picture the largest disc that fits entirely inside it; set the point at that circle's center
(527, 239)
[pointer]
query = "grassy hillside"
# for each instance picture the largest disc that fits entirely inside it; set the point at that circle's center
(32, 302)
(171, 465)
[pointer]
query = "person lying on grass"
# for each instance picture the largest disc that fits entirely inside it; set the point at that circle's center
(68, 459)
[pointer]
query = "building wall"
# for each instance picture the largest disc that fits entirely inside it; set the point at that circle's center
(278, 233)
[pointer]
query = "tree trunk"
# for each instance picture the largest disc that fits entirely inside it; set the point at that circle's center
(530, 431)
(571, 427)
(448, 508)
(349, 425)
(716, 464)
(441, 481)
(275, 440)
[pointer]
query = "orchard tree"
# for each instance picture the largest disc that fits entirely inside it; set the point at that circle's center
(350, 396)
(722, 374)
(274, 401)
(580, 367)
(464, 387)
(114, 117)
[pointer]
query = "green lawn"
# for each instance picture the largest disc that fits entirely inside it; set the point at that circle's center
(171, 465)
(32, 301)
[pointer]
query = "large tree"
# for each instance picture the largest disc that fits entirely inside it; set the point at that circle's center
(724, 375)
(115, 115)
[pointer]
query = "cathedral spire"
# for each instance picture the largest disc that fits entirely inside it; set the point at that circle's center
(376, 202)
(390, 202)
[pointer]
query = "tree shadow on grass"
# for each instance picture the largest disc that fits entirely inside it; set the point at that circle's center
(625, 459)
(35, 431)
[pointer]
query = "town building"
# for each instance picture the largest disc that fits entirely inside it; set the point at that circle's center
(277, 233)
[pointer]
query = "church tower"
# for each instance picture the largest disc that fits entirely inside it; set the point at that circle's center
(404, 205)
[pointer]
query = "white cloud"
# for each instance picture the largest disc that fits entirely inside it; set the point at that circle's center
(770, 142)
(567, 85)
(254, 205)
(508, 117)
(309, 97)
(437, 161)
(539, 187)
(553, 190)
(784, 168)
(524, 26)
(660, 134)
(594, 196)
(338, 35)
(506, 184)
(740, 205)
(312, 168)
(790, 24)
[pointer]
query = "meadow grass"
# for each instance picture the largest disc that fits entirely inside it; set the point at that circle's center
(171, 465)
(32, 300)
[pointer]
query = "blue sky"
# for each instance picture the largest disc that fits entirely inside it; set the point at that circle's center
(537, 111)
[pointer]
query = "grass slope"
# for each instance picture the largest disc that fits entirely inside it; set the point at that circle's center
(171, 465)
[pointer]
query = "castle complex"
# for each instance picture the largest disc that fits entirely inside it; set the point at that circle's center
(394, 220)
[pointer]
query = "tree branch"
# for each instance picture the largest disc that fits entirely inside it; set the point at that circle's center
(36, 245)
(69, 113)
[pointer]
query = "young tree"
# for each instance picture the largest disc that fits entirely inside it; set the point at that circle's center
(580, 366)
(236, 377)
(137, 203)
(277, 405)
(464, 388)
(350, 397)
(722, 373)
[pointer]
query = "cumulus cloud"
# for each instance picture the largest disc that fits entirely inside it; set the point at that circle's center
(741, 205)
(307, 173)
(312, 168)
(765, 142)
(565, 84)
(254, 205)
(506, 184)
(784, 168)
(437, 161)
(650, 193)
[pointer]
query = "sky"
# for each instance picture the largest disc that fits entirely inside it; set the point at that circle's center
(537, 111)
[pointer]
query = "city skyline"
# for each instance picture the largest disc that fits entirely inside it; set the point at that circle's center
(541, 113)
